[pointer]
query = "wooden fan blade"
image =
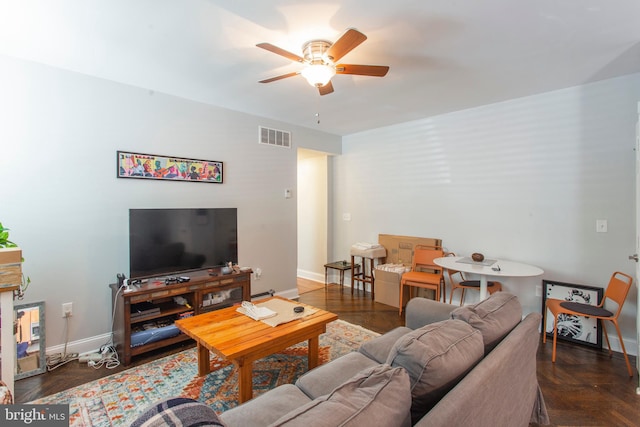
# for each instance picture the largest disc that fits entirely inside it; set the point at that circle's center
(362, 70)
(326, 89)
(345, 44)
(279, 51)
(283, 76)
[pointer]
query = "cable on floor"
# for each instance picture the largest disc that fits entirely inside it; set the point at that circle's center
(58, 359)
(109, 358)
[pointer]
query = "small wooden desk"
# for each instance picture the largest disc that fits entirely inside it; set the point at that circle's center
(339, 265)
(242, 340)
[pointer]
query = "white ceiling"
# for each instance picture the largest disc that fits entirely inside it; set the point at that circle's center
(445, 55)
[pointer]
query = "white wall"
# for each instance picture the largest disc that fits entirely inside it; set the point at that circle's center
(523, 180)
(312, 214)
(69, 213)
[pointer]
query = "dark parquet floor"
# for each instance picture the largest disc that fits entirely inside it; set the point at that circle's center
(585, 387)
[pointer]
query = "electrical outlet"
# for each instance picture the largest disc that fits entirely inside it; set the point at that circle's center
(67, 309)
(601, 225)
(258, 273)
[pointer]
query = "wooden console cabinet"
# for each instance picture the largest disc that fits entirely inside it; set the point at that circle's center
(202, 293)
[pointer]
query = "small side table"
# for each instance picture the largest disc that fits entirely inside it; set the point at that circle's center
(338, 265)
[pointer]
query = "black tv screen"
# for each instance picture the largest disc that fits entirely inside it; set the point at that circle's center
(171, 241)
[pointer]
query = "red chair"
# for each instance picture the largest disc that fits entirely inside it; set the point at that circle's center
(616, 292)
(424, 273)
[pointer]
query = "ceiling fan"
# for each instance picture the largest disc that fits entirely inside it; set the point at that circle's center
(320, 59)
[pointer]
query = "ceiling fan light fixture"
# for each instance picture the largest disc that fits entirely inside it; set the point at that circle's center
(318, 75)
(321, 61)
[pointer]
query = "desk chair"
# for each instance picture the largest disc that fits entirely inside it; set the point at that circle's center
(424, 273)
(616, 292)
(458, 281)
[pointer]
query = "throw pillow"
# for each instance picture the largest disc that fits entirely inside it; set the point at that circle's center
(376, 396)
(436, 357)
(378, 348)
(494, 317)
(178, 412)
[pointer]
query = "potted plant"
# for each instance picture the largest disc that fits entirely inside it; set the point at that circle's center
(6, 243)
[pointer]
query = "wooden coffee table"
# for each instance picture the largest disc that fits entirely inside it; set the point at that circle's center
(242, 340)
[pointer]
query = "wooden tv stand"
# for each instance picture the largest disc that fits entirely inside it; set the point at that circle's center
(203, 293)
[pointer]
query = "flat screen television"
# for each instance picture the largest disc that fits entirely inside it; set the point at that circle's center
(174, 241)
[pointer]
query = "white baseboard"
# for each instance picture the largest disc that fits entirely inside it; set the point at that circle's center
(289, 293)
(86, 345)
(630, 346)
(310, 275)
(333, 276)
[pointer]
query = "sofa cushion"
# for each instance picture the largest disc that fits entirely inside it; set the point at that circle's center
(178, 412)
(436, 356)
(378, 348)
(494, 317)
(377, 396)
(266, 408)
(323, 379)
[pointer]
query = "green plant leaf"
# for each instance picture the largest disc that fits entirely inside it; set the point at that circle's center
(4, 238)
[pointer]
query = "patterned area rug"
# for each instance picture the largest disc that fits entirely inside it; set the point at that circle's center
(118, 399)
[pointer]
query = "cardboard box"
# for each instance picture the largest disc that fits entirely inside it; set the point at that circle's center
(388, 288)
(400, 248)
(28, 363)
(399, 251)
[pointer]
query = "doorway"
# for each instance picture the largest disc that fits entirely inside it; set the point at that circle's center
(312, 214)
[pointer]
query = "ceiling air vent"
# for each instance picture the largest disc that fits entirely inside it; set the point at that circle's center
(276, 137)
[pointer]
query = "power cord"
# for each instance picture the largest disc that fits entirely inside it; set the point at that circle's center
(108, 358)
(58, 359)
(108, 354)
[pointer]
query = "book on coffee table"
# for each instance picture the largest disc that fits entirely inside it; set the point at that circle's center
(255, 312)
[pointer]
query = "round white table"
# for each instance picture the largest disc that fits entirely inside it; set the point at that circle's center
(499, 268)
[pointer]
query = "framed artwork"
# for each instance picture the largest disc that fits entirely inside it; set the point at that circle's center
(578, 329)
(167, 168)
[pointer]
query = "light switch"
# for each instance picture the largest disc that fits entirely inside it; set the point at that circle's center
(346, 217)
(287, 193)
(601, 225)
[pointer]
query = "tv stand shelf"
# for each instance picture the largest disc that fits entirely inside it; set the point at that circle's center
(203, 293)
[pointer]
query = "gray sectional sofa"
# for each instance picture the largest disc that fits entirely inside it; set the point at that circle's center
(449, 366)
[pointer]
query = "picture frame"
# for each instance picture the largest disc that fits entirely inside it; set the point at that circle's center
(167, 168)
(577, 329)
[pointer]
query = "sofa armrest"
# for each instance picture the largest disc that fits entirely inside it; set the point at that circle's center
(423, 311)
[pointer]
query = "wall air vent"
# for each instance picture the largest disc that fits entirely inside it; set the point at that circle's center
(278, 138)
